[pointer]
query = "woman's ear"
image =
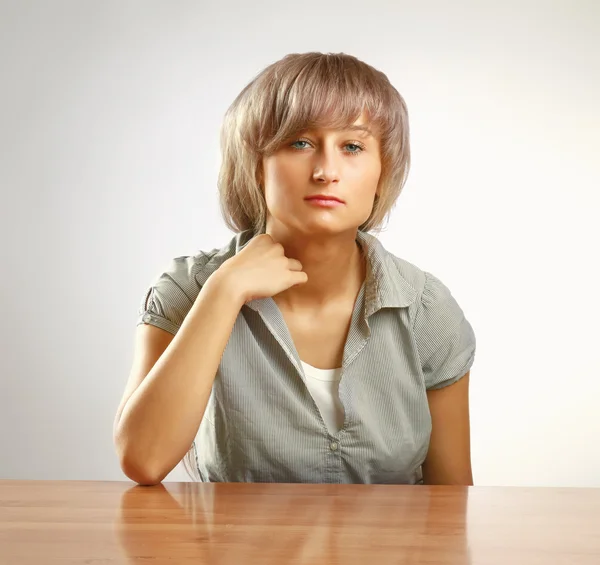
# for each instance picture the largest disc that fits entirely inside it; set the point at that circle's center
(260, 176)
(378, 190)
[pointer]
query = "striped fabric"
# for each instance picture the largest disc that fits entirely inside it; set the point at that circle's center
(407, 335)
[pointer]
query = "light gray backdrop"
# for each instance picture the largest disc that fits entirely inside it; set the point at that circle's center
(109, 124)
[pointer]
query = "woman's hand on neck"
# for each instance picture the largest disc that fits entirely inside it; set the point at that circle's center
(333, 263)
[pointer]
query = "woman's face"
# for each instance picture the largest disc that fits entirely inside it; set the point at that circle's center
(340, 164)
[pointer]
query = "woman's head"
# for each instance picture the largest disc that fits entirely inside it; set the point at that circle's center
(289, 134)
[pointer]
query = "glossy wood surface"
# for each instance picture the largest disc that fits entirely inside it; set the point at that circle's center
(45, 522)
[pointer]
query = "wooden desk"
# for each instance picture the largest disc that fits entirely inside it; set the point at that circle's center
(100, 523)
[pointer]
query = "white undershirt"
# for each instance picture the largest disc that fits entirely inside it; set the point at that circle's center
(323, 385)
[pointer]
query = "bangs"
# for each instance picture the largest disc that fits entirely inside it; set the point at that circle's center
(329, 92)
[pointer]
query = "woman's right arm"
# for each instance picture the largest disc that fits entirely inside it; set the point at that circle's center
(172, 377)
(170, 383)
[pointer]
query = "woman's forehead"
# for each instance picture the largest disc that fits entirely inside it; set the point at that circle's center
(359, 127)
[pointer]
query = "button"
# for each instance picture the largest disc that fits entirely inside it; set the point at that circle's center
(333, 446)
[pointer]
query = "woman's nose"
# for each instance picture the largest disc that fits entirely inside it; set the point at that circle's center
(326, 170)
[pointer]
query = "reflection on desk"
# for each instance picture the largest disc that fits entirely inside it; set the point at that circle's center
(274, 523)
(51, 522)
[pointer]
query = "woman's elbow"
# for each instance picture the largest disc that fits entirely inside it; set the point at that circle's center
(143, 475)
(137, 468)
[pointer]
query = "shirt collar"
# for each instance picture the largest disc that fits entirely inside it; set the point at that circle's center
(385, 287)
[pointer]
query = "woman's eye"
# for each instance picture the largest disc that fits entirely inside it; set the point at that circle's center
(354, 148)
(295, 144)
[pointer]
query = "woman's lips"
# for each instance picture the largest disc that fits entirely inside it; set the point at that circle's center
(324, 201)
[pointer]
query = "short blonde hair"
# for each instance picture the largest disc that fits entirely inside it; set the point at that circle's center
(298, 92)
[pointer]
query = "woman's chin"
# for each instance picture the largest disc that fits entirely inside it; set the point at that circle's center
(313, 225)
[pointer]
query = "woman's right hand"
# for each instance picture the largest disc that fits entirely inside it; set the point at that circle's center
(261, 270)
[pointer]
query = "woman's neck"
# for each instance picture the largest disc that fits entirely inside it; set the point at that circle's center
(335, 267)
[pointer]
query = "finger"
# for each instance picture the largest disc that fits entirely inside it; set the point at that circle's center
(299, 277)
(294, 265)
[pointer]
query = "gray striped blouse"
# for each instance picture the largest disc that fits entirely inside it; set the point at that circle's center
(407, 335)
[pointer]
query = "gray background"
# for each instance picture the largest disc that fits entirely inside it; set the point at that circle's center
(109, 124)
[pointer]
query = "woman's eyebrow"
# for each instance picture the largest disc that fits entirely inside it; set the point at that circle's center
(363, 128)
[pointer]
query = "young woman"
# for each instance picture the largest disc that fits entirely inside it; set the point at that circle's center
(303, 351)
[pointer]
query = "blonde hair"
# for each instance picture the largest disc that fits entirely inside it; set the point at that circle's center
(298, 92)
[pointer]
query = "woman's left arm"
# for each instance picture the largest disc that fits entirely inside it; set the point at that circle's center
(448, 460)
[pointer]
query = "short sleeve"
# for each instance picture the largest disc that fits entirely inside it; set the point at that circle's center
(170, 297)
(445, 339)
